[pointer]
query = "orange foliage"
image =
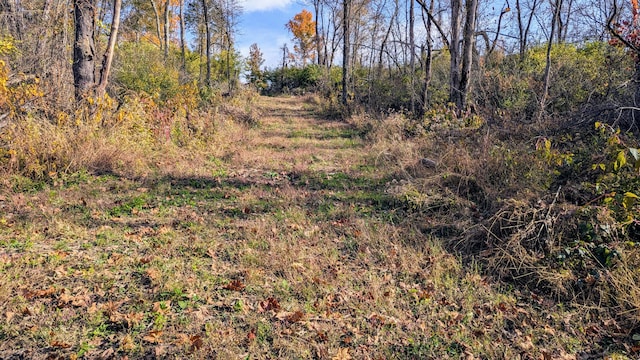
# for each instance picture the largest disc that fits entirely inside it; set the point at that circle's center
(303, 29)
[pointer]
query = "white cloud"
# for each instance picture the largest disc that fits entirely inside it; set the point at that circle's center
(262, 5)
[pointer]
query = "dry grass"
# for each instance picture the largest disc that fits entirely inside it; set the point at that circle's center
(493, 200)
(282, 240)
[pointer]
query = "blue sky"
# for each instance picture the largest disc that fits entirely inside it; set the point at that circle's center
(263, 22)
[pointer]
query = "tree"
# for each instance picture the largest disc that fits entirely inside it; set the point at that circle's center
(303, 29)
(84, 49)
(524, 25)
(207, 27)
(547, 70)
(255, 61)
(461, 59)
(108, 55)
(346, 6)
(627, 33)
(84, 53)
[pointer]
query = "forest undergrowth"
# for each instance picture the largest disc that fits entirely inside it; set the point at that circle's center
(261, 229)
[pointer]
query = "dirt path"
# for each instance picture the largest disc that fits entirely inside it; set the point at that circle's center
(290, 248)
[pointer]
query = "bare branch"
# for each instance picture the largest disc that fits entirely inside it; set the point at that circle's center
(614, 33)
(435, 22)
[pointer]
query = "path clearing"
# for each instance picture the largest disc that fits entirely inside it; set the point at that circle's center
(288, 248)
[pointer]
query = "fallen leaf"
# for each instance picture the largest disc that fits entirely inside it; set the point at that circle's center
(127, 343)
(153, 274)
(182, 339)
(160, 351)
(196, 342)
(134, 319)
(235, 285)
(292, 317)
(270, 304)
(322, 337)
(29, 295)
(343, 354)
(153, 337)
(162, 307)
(59, 344)
(107, 354)
(251, 336)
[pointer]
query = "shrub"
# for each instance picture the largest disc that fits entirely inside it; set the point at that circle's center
(512, 87)
(140, 68)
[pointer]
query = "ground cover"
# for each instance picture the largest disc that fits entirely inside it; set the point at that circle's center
(288, 243)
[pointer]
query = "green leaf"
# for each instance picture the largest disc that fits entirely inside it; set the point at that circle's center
(636, 337)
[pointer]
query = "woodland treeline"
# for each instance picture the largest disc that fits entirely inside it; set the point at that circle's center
(528, 58)
(525, 57)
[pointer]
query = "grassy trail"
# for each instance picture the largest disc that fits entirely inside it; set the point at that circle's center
(284, 245)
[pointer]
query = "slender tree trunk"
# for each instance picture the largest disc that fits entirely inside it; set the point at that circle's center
(563, 34)
(345, 50)
(167, 6)
(454, 51)
(228, 43)
(386, 38)
(559, 22)
(316, 9)
(183, 46)
(156, 14)
(412, 56)
(467, 51)
(524, 27)
(111, 47)
(428, 57)
(547, 68)
(205, 9)
(84, 48)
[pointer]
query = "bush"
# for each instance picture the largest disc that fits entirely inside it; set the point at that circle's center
(512, 87)
(140, 68)
(293, 79)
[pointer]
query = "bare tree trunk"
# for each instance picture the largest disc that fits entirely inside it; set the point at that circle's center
(316, 9)
(345, 50)
(412, 56)
(559, 21)
(547, 68)
(228, 74)
(428, 57)
(111, 47)
(454, 51)
(386, 38)
(205, 9)
(157, 16)
(167, 6)
(84, 48)
(524, 27)
(467, 51)
(183, 50)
